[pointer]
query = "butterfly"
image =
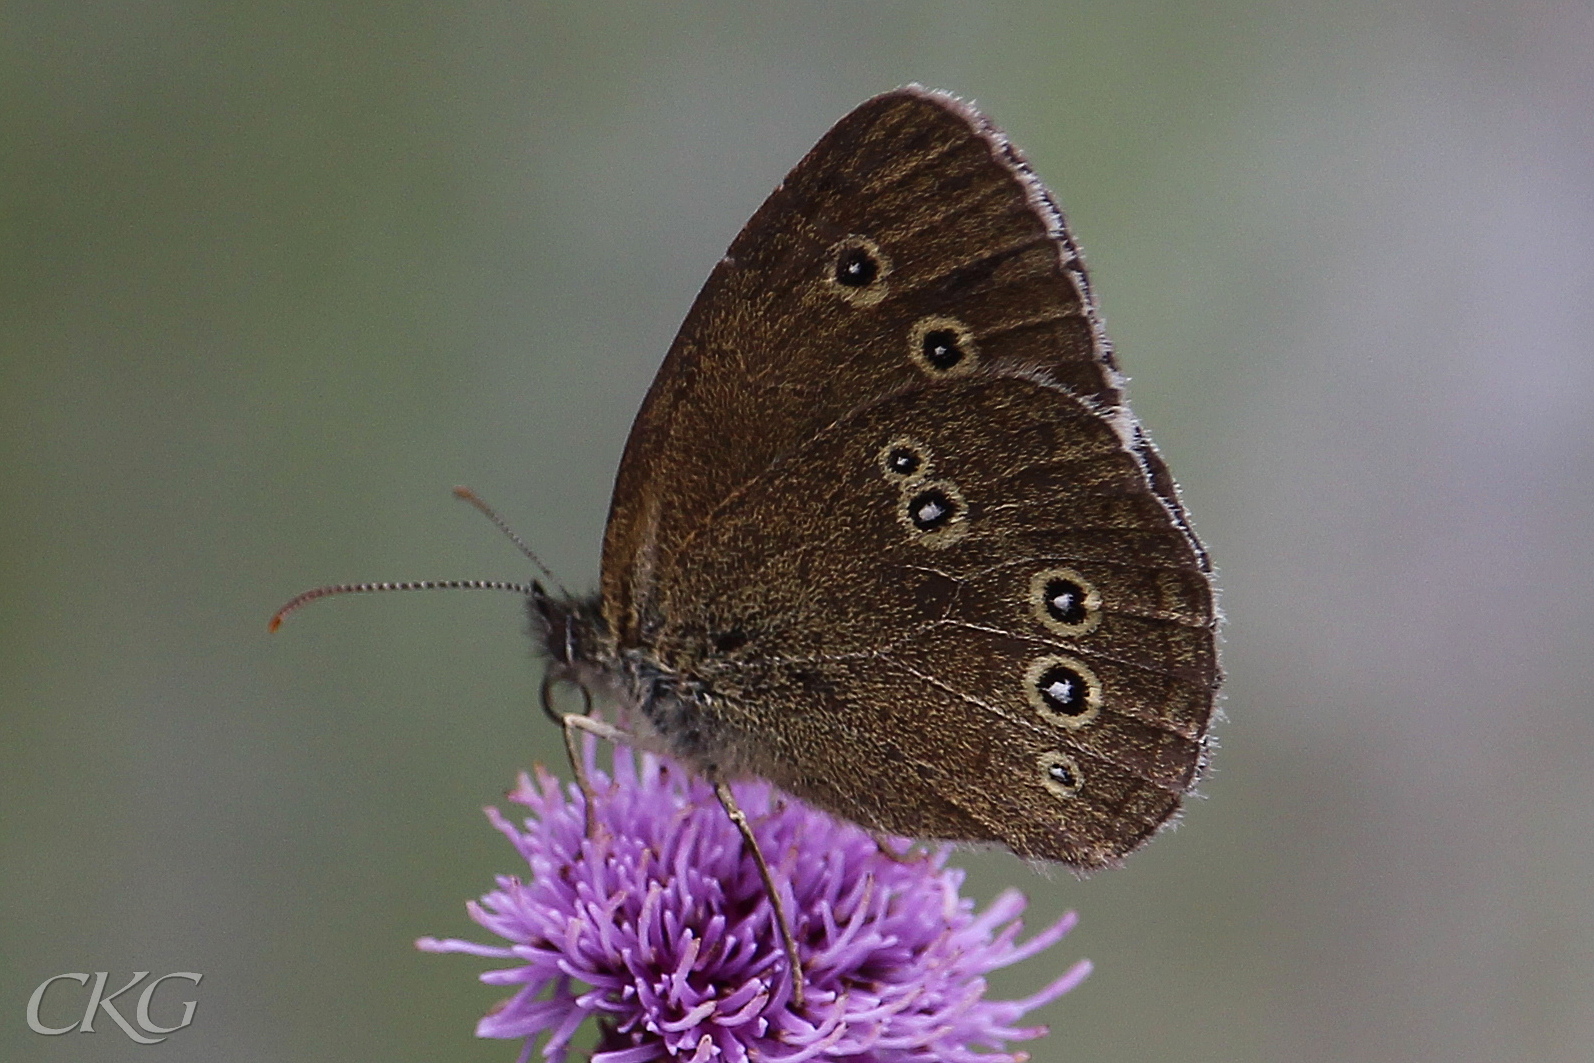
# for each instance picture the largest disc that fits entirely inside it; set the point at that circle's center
(885, 532)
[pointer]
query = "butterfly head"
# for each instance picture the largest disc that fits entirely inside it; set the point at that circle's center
(568, 628)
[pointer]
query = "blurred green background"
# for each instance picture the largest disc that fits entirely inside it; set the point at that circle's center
(274, 276)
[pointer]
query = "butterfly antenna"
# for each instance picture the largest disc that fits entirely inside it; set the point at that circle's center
(307, 597)
(502, 525)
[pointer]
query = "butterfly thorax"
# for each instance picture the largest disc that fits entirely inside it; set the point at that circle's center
(665, 709)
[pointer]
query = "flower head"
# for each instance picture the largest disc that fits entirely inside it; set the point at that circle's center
(659, 927)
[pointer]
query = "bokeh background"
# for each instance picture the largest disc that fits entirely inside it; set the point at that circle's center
(274, 276)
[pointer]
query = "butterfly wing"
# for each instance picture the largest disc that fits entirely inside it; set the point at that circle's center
(917, 187)
(911, 277)
(1010, 642)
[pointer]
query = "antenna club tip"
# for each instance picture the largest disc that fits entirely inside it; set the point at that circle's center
(274, 623)
(464, 492)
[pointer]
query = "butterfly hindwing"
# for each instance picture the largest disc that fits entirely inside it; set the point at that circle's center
(918, 648)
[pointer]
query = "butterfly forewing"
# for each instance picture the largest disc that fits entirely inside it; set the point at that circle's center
(962, 243)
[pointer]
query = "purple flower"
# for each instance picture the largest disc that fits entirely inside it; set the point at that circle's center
(660, 928)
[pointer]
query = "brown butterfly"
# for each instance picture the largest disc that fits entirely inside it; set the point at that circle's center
(885, 533)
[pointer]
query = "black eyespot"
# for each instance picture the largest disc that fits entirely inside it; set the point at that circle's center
(931, 509)
(1061, 774)
(856, 267)
(1064, 690)
(904, 462)
(1065, 601)
(942, 348)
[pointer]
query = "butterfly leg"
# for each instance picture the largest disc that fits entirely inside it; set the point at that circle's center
(788, 942)
(573, 722)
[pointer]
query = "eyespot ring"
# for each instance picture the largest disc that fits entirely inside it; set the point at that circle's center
(1060, 774)
(904, 460)
(856, 269)
(942, 346)
(934, 512)
(1078, 615)
(1063, 690)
